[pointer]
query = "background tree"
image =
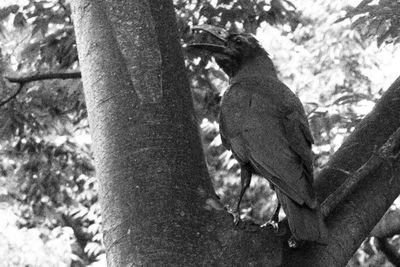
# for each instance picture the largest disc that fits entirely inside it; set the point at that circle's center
(47, 163)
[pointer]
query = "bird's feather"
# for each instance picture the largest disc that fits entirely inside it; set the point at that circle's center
(305, 223)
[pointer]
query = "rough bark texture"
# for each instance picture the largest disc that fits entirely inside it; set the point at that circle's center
(158, 205)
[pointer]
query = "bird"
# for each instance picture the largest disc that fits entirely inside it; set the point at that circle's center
(265, 126)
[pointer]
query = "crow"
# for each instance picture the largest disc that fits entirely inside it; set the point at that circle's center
(265, 126)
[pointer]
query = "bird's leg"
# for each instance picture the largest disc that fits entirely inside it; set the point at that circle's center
(245, 179)
(275, 217)
(273, 222)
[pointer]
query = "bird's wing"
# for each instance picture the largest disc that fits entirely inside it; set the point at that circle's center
(266, 130)
(300, 139)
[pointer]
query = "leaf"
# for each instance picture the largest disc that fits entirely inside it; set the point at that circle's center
(19, 20)
(360, 22)
(208, 11)
(5, 12)
(98, 237)
(350, 98)
(383, 37)
(92, 249)
(94, 228)
(225, 2)
(291, 4)
(79, 213)
(363, 3)
(375, 27)
(229, 16)
(40, 25)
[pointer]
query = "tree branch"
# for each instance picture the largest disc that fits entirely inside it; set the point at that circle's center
(388, 151)
(38, 77)
(45, 76)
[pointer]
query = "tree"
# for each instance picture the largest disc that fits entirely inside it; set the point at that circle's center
(185, 240)
(146, 141)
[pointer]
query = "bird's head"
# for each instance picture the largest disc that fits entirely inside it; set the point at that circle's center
(230, 50)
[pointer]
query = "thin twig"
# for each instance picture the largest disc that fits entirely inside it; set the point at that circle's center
(21, 85)
(389, 150)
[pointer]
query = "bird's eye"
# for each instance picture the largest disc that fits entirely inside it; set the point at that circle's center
(238, 41)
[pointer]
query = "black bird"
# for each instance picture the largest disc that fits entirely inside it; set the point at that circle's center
(264, 124)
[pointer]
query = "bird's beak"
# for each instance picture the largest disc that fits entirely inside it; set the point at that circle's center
(208, 37)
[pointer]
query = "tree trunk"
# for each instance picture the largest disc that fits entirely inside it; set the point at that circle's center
(158, 205)
(149, 160)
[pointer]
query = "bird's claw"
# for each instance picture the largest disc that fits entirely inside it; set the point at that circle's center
(272, 224)
(236, 218)
(235, 214)
(292, 242)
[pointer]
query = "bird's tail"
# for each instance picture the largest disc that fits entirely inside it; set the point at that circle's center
(304, 223)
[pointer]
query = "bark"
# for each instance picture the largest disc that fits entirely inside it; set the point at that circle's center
(158, 205)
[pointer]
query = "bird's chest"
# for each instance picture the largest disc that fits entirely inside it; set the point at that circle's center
(235, 106)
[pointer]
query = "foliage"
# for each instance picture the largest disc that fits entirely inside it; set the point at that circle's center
(47, 167)
(47, 173)
(381, 20)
